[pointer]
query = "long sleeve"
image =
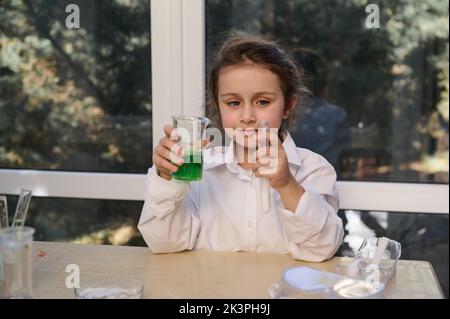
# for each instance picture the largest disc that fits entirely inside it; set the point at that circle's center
(169, 219)
(314, 230)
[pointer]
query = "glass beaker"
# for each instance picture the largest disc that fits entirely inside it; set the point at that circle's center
(191, 133)
(15, 262)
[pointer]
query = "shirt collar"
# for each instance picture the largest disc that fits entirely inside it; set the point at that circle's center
(292, 151)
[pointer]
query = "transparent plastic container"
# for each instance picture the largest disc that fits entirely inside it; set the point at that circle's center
(110, 288)
(304, 282)
(357, 289)
(375, 263)
(366, 276)
(15, 263)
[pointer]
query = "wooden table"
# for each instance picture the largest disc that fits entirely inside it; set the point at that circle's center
(197, 274)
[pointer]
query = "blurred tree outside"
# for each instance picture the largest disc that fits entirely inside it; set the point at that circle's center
(77, 100)
(392, 81)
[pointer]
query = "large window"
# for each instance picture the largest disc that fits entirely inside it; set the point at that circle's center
(379, 110)
(84, 221)
(79, 100)
(75, 99)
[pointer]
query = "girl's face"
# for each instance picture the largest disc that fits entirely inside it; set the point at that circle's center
(247, 95)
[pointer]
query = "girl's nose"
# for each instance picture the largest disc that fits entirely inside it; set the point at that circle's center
(248, 115)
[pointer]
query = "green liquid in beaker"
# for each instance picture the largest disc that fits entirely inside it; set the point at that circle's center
(192, 168)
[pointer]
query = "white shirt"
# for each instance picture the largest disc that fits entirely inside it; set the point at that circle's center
(221, 212)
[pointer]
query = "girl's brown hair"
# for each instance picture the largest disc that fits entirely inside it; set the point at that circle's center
(266, 53)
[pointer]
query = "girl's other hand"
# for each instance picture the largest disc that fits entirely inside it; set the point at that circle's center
(168, 154)
(272, 162)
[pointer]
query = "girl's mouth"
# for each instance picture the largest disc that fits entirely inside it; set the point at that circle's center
(247, 131)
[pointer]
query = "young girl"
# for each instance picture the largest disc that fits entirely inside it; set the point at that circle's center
(251, 80)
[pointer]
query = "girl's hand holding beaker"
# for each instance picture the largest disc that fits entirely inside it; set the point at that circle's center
(179, 153)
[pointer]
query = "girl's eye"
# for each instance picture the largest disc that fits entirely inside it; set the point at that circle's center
(263, 102)
(233, 103)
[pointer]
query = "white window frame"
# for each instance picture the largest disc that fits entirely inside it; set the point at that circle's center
(178, 68)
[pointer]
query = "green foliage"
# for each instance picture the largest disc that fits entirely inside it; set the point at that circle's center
(76, 99)
(392, 81)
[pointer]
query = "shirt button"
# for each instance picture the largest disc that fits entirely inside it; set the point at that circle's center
(249, 224)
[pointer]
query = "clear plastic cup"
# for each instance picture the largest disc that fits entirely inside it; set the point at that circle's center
(366, 276)
(110, 288)
(15, 263)
(372, 268)
(372, 264)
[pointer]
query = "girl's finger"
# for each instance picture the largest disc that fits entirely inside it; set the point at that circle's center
(267, 163)
(265, 171)
(205, 143)
(263, 161)
(257, 166)
(270, 152)
(164, 164)
(164, 170)
(165, 153)
(261, 174)
(171, 133)
(172, 146)
(168, 130)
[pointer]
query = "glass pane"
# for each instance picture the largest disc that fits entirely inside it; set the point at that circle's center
(84, 221)
(422, 236)
(380, 106)
(75, 98)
